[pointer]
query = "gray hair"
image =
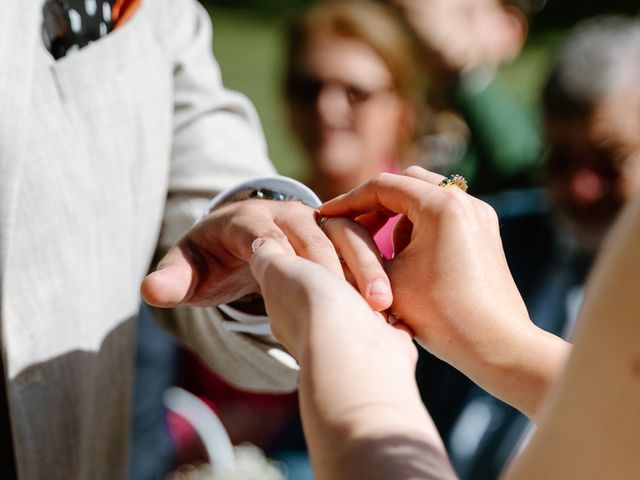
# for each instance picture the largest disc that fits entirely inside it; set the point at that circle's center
(600, 55)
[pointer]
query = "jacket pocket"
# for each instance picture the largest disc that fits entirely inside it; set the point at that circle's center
(106, 60)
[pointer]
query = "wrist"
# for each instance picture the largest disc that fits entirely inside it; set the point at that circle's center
(273, 187)
(359, 365)
(367, 440)
(521, 370)
(355, 405)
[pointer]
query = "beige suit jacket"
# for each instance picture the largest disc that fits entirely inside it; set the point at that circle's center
(101, 154)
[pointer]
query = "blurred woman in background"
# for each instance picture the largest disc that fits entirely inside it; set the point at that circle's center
(354, 91)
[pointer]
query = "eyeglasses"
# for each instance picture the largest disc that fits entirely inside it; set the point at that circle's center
(306, 90)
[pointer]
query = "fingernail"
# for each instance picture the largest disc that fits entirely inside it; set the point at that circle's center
(379, 287)
(257, 243)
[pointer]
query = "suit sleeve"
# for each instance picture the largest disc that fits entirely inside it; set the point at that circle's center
(217, 142)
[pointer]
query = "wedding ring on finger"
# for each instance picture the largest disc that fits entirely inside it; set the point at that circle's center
(321, 221)
(454, 180)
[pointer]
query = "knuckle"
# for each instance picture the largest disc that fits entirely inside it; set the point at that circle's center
(237, 223)
(293, 212)
(298, 208)
(230, 228)
(381, 178)
(456, 204)
(246, 208)
(413, 170)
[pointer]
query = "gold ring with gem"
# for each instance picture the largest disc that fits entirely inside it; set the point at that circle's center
(454, 180)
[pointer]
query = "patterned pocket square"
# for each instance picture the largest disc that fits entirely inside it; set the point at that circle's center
(69, 25)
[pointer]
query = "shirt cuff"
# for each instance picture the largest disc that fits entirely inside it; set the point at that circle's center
(276, 183)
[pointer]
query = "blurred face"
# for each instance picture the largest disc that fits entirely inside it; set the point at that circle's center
(344, 108)
(594, 165)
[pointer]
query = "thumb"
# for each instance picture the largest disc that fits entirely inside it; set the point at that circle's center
(173, 282)
(265, 252)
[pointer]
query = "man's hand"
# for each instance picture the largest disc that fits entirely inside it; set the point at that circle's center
(209, 265)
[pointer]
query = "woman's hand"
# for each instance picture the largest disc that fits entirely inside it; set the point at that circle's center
(451, 283)
(305, 300)
(359, 401)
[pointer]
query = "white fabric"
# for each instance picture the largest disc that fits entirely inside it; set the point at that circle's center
(102, 153)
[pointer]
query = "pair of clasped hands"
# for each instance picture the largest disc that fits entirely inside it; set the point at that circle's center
(448, 285)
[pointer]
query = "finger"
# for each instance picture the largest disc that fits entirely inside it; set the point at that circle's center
(278, 271)
(436, 179)
(173, 281)
(223, 239)
(423, 174)
(234, 228)
(402, 234)
(397, 323)
(266, 254)
(348, 275)
(309, 241)
(374, 221)
(405, 328)
(360, 253)
(397, 193)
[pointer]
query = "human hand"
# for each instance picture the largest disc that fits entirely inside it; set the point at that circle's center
(301, 295)
(209, 265)
(450, 279)
(358, 395)
(459, 35)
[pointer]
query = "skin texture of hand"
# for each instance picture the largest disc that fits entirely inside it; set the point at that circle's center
(209, 265)
(452, 286)
(361, 410)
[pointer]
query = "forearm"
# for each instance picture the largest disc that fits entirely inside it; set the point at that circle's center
(362, 413)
